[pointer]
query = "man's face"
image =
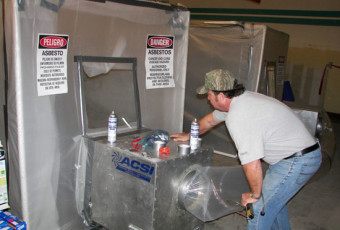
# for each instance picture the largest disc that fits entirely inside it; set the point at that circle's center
(219, 102)
(212, 97)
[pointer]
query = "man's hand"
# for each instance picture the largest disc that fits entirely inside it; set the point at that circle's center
(180, 136)
(246, 199)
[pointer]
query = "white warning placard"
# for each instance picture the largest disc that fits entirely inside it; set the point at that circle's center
(159, 61)
(52, 64)
(280, 70)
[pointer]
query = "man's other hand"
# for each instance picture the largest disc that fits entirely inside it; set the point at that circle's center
(180, 136)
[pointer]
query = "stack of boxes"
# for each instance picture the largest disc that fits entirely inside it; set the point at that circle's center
(3, 180)
(9, 221)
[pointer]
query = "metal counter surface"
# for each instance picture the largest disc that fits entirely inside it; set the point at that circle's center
(124, 143)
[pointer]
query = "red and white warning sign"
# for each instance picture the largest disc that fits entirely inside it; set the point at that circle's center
(52, 64)
(159, 62)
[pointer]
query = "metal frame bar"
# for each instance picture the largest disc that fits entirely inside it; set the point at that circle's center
(278, 12)
(156, 5)
(279, 20)
(302, 17)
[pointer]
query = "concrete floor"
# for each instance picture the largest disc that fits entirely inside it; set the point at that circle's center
(315, 207)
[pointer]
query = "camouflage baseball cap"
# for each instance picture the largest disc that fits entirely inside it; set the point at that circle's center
(219, 80)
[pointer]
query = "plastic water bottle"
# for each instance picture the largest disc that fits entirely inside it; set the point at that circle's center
(194, 135)
(112, 128)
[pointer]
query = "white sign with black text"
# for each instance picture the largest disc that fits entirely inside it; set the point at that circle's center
(52, 64)
(159, 62)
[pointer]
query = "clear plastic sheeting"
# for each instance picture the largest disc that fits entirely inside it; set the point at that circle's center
(236, 48)
(2, 86)
(212, 192)
(309, 118)
(45, 149)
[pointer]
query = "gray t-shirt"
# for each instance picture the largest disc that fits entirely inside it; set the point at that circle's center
(263, 127)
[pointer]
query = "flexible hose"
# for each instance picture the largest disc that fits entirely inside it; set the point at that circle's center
(330, 65)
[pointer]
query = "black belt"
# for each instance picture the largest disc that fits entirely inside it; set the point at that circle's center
(304, 151)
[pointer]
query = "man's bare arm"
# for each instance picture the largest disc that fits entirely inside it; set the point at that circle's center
(253, 172)
(206, 123)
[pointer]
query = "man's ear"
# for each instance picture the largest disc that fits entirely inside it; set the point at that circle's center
(221, 96)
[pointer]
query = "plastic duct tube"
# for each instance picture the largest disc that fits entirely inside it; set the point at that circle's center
(209, 193)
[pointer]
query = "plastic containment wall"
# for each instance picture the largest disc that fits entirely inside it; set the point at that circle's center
(44, 125)
(245, 49)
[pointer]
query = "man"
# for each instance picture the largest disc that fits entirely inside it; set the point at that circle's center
(261, 128)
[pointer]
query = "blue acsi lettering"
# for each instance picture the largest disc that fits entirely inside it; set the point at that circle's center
(144, 168)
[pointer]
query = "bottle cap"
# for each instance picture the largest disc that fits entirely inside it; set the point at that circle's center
(165, 150)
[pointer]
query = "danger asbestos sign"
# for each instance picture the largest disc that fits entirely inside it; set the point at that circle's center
(52, 64)
(159, 61)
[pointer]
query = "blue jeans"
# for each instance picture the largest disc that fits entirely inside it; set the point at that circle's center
(282, 181)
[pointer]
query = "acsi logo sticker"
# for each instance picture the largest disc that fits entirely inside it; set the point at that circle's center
(159, 42)
(133, 167)
(53, 42)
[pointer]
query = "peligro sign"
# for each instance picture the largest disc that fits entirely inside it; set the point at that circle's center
(133, 167)
(53, 42)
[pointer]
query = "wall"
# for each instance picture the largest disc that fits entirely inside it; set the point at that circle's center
(311, 48)
(313, 43)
